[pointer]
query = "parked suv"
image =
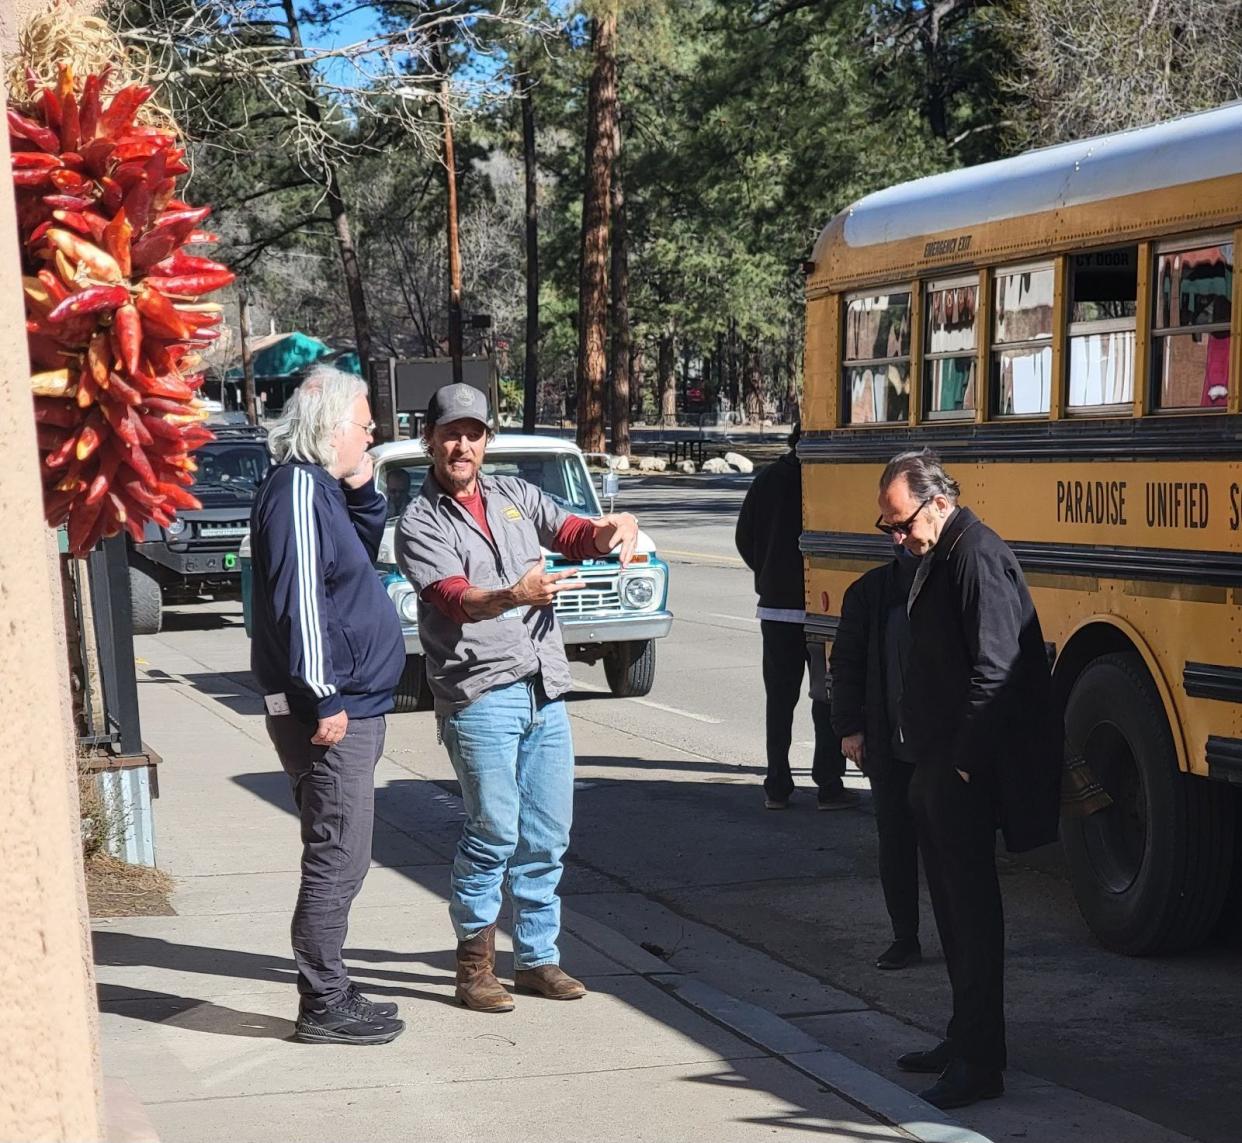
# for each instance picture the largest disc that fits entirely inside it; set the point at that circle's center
(196, 554)
(616, 618)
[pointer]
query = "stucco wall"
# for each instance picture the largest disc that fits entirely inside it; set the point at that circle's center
(49, 1086)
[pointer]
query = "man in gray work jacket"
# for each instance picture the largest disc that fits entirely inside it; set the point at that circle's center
(472, 546)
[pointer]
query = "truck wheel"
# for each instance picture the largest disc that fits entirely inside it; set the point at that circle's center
(630, 668)
(413, 691)
(146, 600)
(1150, 873)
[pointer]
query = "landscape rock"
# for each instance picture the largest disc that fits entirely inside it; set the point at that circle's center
(686, 466)
(716, 466)
(652, 464)
(738, 461)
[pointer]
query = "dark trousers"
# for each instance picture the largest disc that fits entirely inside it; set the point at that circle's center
(786, 659)
(956, 826)
(334, 790)
(899, 851)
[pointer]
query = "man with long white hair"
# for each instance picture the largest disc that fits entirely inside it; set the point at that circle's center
(328, 652)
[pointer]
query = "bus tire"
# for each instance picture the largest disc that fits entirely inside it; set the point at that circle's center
(630, 668)
(146, 600)
(1150, 872)
(413, 691)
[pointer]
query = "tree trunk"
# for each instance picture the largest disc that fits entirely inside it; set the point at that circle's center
(243, 317)
(791, 380)
(754, 381)
(352, 272)
(530, 378)
(667, 378)
(454, 247)
(735, 404)
(620, 281)
(592, 368)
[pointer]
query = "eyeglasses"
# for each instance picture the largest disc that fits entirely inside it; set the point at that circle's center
(904, 527)
(368, 428)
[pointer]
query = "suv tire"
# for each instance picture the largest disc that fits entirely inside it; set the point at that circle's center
(630, 668)
(146, 600)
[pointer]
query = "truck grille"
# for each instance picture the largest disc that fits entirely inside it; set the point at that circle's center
(587, 602)
(223, 529)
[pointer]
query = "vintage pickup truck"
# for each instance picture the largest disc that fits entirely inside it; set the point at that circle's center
(616, 618)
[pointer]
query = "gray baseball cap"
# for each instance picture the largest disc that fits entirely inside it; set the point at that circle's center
(457, 403)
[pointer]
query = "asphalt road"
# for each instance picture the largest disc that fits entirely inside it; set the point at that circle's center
(669, 817)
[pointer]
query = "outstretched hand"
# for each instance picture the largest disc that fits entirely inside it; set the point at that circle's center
(538, 588)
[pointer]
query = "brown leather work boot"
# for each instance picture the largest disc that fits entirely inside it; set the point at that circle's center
(549, 980)
(477, 986)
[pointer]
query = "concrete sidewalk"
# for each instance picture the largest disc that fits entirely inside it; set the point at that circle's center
(198, 1007)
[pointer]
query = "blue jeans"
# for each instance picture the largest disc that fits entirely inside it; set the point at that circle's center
(514, 757)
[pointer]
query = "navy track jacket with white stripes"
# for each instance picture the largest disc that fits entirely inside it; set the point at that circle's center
(325, 633)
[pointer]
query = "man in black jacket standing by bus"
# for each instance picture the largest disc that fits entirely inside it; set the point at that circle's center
(977, 713)
(768, 529)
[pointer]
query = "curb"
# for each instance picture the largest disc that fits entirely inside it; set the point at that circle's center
(857, 1085)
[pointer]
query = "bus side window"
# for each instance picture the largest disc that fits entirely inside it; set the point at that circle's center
(949, 358)
(876, 358)
(1022, 341)
(1103, 304)
(1190, 332)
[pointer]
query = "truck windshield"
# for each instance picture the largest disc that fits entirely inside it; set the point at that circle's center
(560, 475)
(231, 465)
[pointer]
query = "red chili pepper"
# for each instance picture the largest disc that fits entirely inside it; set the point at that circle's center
(164, 405)
(70, 122)
(116, 239)
(29, 179)
(96, 155)
(88, 389)
(88, 112)
(127, 151)
(35, 161)
(178, 496)
(58, 458)
(193, 285)
(137, 204)
(117, 416)
(89, 438)
(141, 494)
(123, 390)
(55, 287)
(152, 248)
(86, 223)
(82, 520)
(55, 411)
(158, 312)
(42, 137)
(137, 460)
(90, 301)
(201, 237)
(120, 113)
(98, 359)
(98, 263)
(128, 326)
(112, 196)
(68, 201)
(140, 430)
(50, 102)
(109, 462)
(70, 182)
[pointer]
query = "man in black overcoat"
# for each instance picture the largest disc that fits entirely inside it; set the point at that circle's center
(977, 713)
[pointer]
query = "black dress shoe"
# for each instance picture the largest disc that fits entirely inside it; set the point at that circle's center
(900, 954)
(962, 1084)
(932, 1062)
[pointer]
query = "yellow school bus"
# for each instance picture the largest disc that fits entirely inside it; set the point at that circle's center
(1062, 327)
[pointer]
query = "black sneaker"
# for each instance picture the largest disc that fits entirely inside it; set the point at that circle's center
(350, 1021)
(385, 1008)
(901, 953)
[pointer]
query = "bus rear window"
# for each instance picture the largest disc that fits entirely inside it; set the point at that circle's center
(1190, 331)
(876, 358)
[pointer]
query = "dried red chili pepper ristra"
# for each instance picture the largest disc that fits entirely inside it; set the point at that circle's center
(104, 242)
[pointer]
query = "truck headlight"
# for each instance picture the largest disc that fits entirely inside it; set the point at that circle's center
(175, 527)
(638, 591)
(407, 607)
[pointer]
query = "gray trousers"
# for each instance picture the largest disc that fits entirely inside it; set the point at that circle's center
(334, 790)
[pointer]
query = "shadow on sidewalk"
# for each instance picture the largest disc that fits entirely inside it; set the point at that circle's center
(192, 1014)
(116, 949)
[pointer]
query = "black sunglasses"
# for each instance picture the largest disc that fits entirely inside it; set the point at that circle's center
(904, 527)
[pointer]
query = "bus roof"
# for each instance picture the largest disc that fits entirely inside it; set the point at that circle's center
(934, 221)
